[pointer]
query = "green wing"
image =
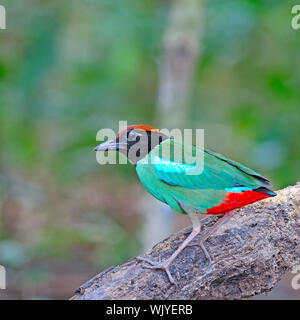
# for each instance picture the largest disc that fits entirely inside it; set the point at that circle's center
(169, 181)
(218, 172)
(249, 172)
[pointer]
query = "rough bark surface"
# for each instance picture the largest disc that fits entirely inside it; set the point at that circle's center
(251, 253)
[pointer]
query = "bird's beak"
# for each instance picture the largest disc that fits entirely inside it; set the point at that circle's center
(107, 145)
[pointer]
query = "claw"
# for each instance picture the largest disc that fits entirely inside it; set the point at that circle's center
(208, 257)
(139, 258)
(201, 245)
(165, 267)
(171, 279)
(158, 265)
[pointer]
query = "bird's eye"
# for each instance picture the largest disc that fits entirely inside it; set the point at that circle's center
(132, 134)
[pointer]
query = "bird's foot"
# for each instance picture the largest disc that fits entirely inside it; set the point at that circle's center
(206, 253)
(158, 265)
(201, 245)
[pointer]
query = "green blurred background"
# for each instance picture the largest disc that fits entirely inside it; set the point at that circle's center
(70, 68)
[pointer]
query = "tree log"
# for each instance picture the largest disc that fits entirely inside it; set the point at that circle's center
(251, 253)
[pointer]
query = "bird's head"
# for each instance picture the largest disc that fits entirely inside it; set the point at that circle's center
(135, 141)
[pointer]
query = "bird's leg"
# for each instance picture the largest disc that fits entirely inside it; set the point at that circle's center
(166, 264)
(214, 228)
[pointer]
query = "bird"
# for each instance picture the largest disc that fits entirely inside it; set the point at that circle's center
(222, 186)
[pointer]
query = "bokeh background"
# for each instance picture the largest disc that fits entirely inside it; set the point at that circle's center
(70, 68)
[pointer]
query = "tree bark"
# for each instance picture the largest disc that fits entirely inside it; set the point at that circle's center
(251, 253)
